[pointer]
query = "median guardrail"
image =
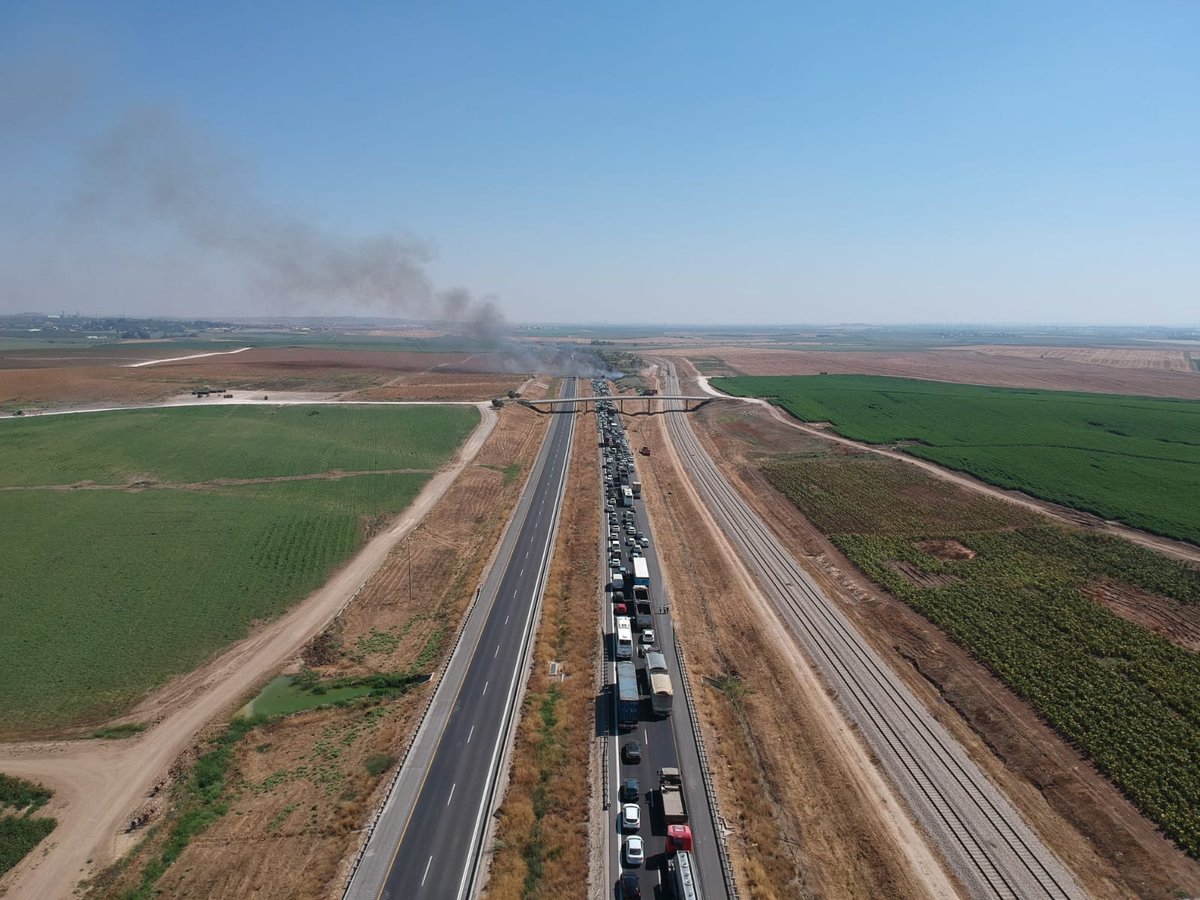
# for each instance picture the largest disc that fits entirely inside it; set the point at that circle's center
(709, 791)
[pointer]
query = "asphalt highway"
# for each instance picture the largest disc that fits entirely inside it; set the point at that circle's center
(428, 840)
(664, 743)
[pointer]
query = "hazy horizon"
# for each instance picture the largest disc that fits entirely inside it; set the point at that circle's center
(1020, 166)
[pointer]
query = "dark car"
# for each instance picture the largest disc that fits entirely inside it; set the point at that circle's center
(631, 888)
(632, 752)
(630, 789)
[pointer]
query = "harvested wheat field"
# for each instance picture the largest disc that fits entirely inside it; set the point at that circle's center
(439, 386)
(1119, 358)
(348, 374)
(967, 366)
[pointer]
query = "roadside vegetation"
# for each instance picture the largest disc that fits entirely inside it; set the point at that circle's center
(1018, 596)
(20, 830)
(541, 840)
(114, 590)
(342, 763)
(1133, 459)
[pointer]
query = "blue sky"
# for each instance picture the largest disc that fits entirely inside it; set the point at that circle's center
(666, 162)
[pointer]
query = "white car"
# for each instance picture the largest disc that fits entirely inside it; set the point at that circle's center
(635, 851)
(631, 817)
(647, 635)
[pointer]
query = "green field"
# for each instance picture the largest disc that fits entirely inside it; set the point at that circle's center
(191, 444)
(20, 832)
(110, 591)
(1127, 698)
(1132, 459)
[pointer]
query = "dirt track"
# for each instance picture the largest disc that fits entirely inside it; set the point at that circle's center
(1166, 546)
(99, 784)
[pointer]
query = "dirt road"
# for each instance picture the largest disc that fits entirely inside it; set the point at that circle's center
(100, 784)
(1166, 546)
(159, 362)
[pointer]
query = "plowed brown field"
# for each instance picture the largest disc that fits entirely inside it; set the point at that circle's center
(375, 375)
(1166, 360)
(432, 386)
(967, 366)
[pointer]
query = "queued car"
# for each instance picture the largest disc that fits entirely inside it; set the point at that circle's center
(635, 851)
(631, 817)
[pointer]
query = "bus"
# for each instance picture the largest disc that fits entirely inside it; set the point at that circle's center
(624, 638)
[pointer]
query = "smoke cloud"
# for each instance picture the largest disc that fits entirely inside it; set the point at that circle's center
(152, 170)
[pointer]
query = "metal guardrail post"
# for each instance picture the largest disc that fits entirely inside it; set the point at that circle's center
(709, 791)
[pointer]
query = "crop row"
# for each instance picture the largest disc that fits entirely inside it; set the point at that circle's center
(1135, 459)
(113, 591)
(200, 444)
(1126, 697)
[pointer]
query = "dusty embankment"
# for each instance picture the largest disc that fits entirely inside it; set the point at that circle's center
(810, 814)
(100, 785)
(1111, 848)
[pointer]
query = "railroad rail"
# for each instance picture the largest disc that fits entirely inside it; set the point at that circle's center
(983, 838)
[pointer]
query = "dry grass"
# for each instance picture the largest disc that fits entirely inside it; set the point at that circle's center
(82, 379)
(431, 575)
(433, 386)
(1166, 360)
(540, 848)
(1112, 849)
(299, 787)
(803, 824)
(961, 366)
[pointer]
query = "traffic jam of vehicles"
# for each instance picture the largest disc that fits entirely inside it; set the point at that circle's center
(643, 689)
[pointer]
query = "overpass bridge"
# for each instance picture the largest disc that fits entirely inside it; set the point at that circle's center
(621, 401)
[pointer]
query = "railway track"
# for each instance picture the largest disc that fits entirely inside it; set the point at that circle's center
(983, 838)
